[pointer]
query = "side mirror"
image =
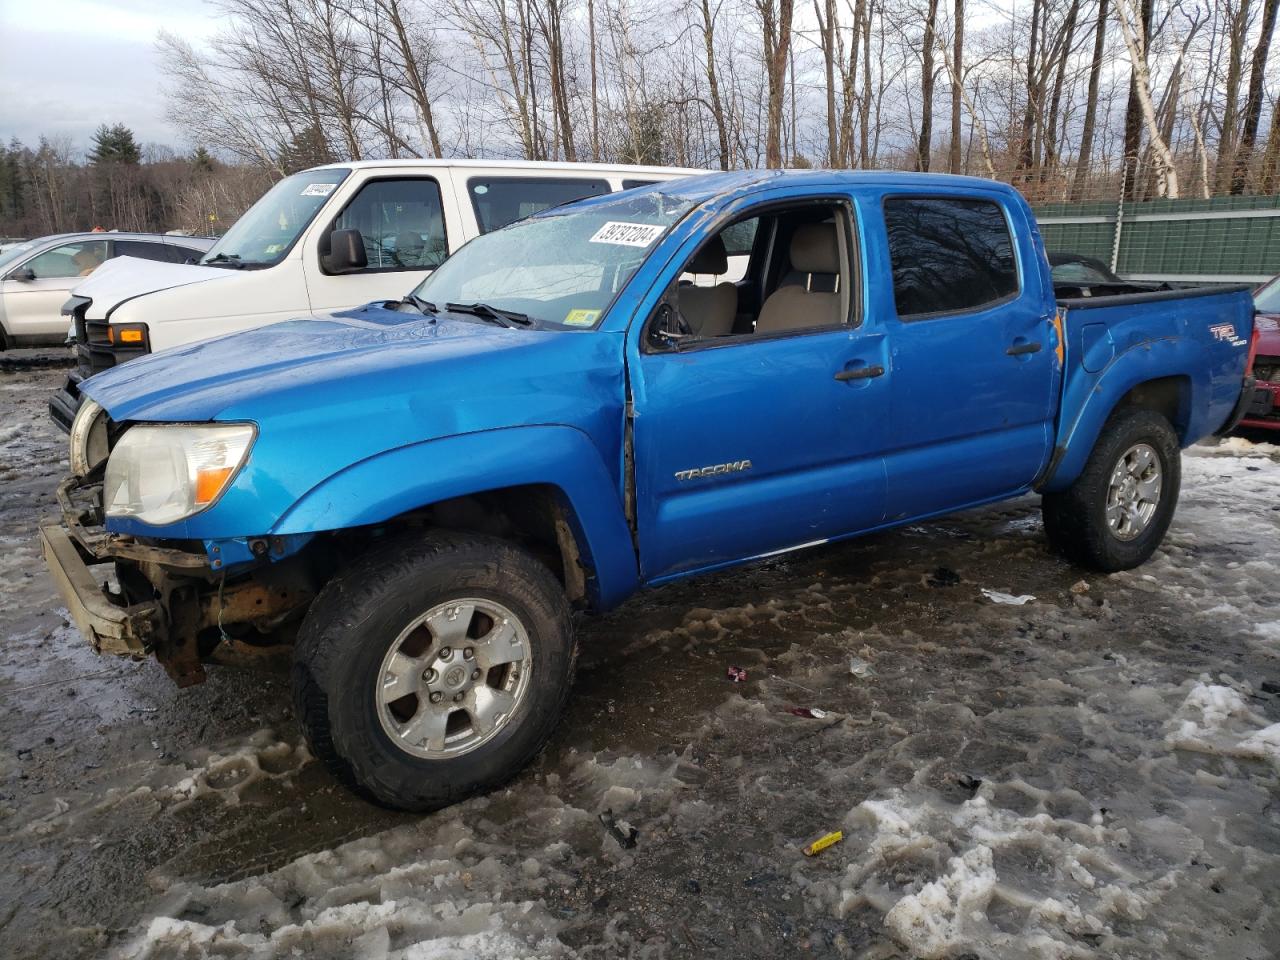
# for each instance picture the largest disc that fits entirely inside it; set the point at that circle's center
(669, 328)
(22, 273)
(345, 251)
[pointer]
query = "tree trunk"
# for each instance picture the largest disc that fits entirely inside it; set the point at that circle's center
(1253, 103)
(1133, 110)
(1228, 139)
(957, 80)
(775, 21)
(926, 90)
(827, 34)
(713, 85)
(595, 101)
(1135, 40)
(1085, 156)
(1050, 139)
(1026, 145)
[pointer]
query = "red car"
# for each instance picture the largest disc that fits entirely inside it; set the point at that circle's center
(1264, 412)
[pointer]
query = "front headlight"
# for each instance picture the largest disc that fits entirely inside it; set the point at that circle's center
(163, 473)
(88, 438)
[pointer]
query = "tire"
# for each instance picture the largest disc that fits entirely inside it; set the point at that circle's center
(371, 721)
(1076, 519)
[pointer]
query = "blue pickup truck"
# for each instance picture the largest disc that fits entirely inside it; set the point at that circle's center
(412, 497)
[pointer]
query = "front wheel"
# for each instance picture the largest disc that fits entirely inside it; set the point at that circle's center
(1118, 510)
(434, 668)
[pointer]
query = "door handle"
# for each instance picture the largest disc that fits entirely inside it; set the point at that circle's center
(860, 373)
(1018, 349)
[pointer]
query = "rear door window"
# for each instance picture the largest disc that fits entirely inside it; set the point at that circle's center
(948, 255)
(498, 201)
(401, 222)
(141, 248)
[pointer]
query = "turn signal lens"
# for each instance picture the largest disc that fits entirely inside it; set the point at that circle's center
(133, 334)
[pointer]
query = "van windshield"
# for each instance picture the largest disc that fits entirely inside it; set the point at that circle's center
(269, 229)
(560, 268)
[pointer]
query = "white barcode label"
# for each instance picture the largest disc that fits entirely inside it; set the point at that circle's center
(628, 234)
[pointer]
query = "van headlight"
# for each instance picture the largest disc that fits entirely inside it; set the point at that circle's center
(88, 439)
(163, 473)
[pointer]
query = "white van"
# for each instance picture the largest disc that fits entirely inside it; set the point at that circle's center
(325, 239)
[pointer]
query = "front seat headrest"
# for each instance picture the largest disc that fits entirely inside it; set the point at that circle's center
(814, 249)
(712, 258)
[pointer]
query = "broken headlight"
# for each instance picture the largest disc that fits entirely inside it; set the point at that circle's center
(88, 439)
(163, 473)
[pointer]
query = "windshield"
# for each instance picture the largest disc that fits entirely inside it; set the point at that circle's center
(271, 226)
(1267, 300)
(15, 253)
(562, 268)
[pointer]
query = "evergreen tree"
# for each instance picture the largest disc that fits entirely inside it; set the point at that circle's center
(115, 144)
(201, 162)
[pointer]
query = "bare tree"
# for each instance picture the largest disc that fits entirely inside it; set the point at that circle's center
(775, 25)
(1135, 38)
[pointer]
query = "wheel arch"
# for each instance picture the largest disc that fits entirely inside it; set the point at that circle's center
(1153, 377)
(546, 484)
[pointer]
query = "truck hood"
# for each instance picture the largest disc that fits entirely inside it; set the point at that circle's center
(371, 356)
(125, 278)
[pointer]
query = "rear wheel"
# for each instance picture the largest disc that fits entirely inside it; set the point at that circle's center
(433, 669)
(1118, 510)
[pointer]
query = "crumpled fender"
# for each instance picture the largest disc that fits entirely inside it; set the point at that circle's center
(406, 478)
(1090, 398)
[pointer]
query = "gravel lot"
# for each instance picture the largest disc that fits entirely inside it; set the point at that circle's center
(1094, 773)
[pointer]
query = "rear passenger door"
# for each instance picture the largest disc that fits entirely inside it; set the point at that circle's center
(974, 369)
(401, 220)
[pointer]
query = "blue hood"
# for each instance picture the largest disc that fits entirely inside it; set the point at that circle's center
(229, 377)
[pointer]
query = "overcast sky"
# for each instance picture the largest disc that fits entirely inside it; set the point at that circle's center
(68, 65)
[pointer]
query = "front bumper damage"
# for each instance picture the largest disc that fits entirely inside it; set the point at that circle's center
(111, 627)
(167, 600)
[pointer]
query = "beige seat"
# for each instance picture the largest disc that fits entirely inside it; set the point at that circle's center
(710, 311)
(815, 253)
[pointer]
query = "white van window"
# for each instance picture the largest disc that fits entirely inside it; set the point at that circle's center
(502, 200)
(401, 222)
(69, 260)
(269, 229)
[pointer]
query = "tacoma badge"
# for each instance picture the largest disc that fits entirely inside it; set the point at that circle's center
(737, 466)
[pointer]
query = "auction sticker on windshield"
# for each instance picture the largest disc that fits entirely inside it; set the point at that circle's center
(318, 189)
(628, 234)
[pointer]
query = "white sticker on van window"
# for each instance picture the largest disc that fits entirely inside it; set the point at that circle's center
(628, 234)
(318, 189)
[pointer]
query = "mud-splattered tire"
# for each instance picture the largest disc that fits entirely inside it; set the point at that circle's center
(1090, 523)
(498, 647)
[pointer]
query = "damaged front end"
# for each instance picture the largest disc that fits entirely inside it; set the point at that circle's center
(135, 598)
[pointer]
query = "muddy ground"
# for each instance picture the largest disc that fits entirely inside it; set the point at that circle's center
(1094, 773)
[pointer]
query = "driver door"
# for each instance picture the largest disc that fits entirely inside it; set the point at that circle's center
(761, 441)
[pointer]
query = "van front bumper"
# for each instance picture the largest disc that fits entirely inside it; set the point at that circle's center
(109, 626)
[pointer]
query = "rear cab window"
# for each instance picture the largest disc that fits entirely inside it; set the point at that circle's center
(498, 201)
(949, 255)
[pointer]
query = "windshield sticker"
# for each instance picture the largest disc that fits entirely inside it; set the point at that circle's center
(581, 318)
(628, 234)
(318, 189)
